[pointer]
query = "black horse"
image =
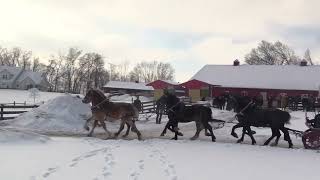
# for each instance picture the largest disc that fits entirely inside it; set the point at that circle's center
(179, 112)
(249, 115)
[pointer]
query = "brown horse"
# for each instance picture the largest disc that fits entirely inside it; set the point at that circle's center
(123, 111)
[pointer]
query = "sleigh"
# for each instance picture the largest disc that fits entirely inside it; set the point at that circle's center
(310, 137)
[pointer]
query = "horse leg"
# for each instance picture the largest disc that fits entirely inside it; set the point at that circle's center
(128, 130)
(93, 127)
(105, 128)
(274, 134)
(278, 134)
(134, 129)
(120, 129)
(244, 128)
(165, 128)
(286, 136)
(250, 133)
(199, 129)
(86, 127)
(209, 127)
(234, 134)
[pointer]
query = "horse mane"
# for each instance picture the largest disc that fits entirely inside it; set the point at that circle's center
(100, 93)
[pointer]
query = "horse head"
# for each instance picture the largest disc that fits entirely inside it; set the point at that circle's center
(88, 97)
(95, 96)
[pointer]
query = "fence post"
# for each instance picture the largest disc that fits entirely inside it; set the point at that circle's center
(1, 112)
(14, 103)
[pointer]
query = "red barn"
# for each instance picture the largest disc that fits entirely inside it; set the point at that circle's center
(197, 89)
(160, 85)
(253, 80)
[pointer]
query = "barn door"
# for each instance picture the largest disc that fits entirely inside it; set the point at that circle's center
(194, 94)
(265, 100)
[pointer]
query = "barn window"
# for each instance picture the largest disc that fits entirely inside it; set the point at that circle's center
(283, 94)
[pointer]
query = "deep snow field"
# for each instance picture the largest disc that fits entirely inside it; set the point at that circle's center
(63, 151)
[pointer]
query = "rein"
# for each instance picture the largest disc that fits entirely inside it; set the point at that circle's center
(171, 109)
(246, 107)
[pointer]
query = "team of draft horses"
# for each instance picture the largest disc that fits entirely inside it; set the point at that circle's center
(248, 115)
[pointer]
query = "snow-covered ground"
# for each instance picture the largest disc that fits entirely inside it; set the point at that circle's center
(21, 96)
(25, 155)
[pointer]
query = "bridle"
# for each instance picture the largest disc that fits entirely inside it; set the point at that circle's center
(103, 101)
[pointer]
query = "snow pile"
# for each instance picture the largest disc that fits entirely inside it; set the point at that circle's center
(13, 136)
(62, 114)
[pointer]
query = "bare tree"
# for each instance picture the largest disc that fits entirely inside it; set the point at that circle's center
(150, 71)
(307, 57)
(272, 54)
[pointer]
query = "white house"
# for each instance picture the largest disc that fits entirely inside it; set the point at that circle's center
(18, 78)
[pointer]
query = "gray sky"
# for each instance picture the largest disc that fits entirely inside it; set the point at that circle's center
(186, 33)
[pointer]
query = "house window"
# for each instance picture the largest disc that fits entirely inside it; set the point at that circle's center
(5, 76)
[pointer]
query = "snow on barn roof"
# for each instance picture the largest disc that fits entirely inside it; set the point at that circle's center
(170, 82)
(292, 77)
(128, 85)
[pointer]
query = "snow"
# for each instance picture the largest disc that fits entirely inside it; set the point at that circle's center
(13, 136)
(65, 113)
(20, 96)
(128, 85)
(157, 159)
(261, 76)
(29, 156)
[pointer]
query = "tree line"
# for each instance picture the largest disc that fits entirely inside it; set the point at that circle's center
(76, 71)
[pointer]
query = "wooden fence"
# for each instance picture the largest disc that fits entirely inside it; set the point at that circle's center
(148, 107)
(10, 109)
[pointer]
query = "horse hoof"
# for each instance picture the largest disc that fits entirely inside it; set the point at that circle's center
(239, 141)
(124, 136)
(213, 140)
(290, 146)
(207, 134)
(254, 143)
(234, 135)
(162, 134)
(274, 144)
(180, 134)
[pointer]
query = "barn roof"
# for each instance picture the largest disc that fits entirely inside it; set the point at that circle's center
(162, 84)
(292, 77)
(128, 85)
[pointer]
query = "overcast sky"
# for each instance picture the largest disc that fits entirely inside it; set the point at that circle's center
(186, 33)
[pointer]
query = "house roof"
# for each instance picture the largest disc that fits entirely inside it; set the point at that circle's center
(12, 70)
(291, 77)
(128, 85)
(15, 71)
(35, 76)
